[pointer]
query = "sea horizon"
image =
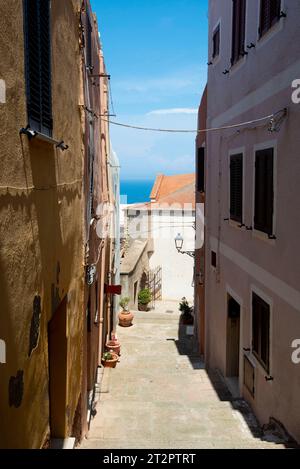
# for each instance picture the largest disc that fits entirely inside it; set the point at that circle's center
(136, 190)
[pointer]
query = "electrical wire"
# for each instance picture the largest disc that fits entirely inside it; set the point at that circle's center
(213, 129)
(111, 99)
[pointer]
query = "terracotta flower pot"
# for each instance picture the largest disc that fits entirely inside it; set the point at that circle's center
(143, 307)
(112, 363)
(113, 345)
(125, 318)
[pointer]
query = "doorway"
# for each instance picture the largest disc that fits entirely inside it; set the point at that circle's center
(233, 338)
(58, 367)
(135, 287)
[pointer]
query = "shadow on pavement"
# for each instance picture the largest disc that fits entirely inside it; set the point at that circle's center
(272, 432)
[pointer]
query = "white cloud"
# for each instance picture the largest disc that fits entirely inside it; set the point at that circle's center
(178, 110)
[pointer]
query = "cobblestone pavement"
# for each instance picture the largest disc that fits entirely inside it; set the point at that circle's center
(160, 397)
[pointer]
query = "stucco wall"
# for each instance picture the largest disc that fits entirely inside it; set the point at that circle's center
(177, 269)
(199, 275)
(41, 250)
(134, 265)
(259, 85)
(114, 165)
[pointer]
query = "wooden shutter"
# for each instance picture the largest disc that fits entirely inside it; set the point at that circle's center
(213, 258)
(265, 334)
(242, 28)
(261, 330)
(264, 191)
(236, 187)
(45, 57)
(255, 325)
(216, 42)
(200, 169)
(89, 30)
(38, 64)
(269, 14)
(238, 30)
(249, 375)
(235, 28)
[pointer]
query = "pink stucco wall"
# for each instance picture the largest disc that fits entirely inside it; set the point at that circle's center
(259, 85)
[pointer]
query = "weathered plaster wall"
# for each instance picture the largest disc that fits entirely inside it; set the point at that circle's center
(177, 269)
(199, 274)
(41, 247)
(258, 86)
(134, 265)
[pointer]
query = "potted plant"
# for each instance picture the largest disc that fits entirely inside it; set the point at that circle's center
(125, 316)
(186, 310)
(113, 344)
(144, 298)
(110, 359)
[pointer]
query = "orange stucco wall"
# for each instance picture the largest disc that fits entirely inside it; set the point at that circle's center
(41, 231)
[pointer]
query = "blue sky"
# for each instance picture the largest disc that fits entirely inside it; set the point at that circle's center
(156, 53)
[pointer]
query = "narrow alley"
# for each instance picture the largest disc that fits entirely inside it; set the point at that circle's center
(160, 396)
(149, 172)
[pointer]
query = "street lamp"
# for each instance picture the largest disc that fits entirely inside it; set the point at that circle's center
(179, 246)
(179, 242)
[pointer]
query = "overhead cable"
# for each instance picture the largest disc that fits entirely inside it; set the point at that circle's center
(269, 117)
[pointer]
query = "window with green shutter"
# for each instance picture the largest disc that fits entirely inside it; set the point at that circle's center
(264, 191)
(236, 187)
(38, 65)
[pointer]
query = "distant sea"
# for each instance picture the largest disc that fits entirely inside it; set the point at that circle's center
(136, 190)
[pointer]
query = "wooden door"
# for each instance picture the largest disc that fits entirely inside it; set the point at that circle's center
(58, 356)
(233, 338)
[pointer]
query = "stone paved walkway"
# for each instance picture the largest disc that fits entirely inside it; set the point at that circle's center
(159, 396)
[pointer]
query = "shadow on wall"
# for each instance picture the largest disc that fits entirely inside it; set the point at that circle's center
(32, 243)
(186, 346)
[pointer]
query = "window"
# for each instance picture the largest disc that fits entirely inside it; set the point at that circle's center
(213, 259)
(261, 330)
(216, 42)
(236, 187)
(135, 288)
(238, 30)
(269, 15)
(264, 191)
(97, 303)
(249, 375)
(200, 169)
(89, 29)
(38, 65)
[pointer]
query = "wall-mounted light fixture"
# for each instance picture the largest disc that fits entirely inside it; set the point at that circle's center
(179, 245)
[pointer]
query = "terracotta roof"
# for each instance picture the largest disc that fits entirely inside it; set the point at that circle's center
(167, 191)
(166, 185)
(183, 196)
